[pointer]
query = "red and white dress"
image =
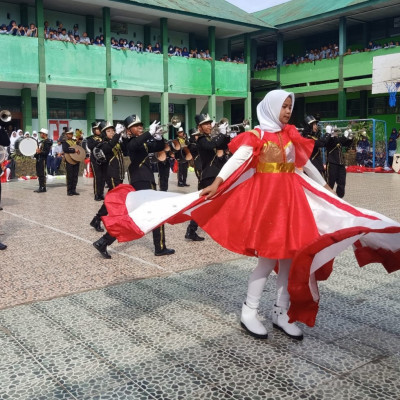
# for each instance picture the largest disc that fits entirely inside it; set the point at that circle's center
(268, 207)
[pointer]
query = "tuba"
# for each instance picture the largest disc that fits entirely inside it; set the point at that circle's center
(5, 116)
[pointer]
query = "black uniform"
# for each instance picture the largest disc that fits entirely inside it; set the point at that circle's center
(99, 170)
(163, 173)
(114, 167)
(72, 170)
(141, 176)
(196, 157)
(211, 163)
(183, 164)
(316, 155)
(41, 160)
(336, 169)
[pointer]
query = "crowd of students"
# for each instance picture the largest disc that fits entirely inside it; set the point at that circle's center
(330, 51)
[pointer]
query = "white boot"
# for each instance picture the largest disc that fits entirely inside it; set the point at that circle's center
(280, 320)
(249, 321)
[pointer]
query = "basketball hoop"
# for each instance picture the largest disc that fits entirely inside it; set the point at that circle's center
(392, 88)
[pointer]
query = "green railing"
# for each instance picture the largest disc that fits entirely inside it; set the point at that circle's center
(136, 71)
(230, 79)
(75, 64)
(19, 59)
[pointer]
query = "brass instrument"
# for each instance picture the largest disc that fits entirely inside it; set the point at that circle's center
(5, 116)
(242, 127)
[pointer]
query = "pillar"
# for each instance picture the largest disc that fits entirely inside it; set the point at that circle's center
(191, 104)
(212, 100)
(42, 89)
(247, 60)
(145, 110)
(227, 110)
(164, 95)
(108, 103)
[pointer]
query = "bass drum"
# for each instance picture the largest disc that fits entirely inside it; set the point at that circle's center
(28, 146)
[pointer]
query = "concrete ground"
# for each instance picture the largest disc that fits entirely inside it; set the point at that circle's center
(76, 326)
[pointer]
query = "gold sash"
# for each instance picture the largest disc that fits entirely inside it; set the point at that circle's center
(273, 168)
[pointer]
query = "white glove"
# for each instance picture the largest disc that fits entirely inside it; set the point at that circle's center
(157, 136)
(232, 134)
(154, 127)
(223, 128)
(119, 129)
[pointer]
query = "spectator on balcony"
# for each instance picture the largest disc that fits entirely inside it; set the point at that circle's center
(132, 46)
(149, 48)
(171, 50)
(177, 51)
(121, 43)
(139, 46)
(46, 27)
(63, 36)
(76, 39)
(85, 39)
(59, 28)
(114, 43)
(32, 31)
(13, 28)
(75, 30)
(291, 60)
(21, 30)
(3, 29)
(53, 35)
(102, 39)
(157, 48)
(97, 41)
(185, 52)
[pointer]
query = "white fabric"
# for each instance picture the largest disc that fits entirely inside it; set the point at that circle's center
(313, 173)
(269, 109)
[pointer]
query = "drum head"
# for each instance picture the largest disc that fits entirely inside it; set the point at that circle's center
(28, 147)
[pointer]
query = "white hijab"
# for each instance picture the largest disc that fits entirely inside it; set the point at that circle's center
(269, 109)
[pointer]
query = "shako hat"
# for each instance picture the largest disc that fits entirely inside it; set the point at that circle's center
(132, 120)
(202, 119)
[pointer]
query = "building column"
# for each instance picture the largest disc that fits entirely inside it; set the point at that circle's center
(164, 95)
(212, 100)
(342, 103)
(191, 104)
(247, 60)
(108, 103)
(145, 110)
(42, 89)
(26, 102)
(90, 111)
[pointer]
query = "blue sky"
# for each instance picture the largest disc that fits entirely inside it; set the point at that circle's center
(255, 5)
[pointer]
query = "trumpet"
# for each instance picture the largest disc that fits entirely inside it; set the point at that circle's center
(175, 122)
(342, 131)
(5, 116)
(237, 128)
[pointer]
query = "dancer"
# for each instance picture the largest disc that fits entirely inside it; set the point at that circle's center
(263, 205)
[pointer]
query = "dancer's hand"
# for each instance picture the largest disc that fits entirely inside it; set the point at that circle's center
(210, 191)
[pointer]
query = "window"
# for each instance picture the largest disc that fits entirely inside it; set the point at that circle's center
(353, 108)
(66, 109)
(327, 109)
(380, 106)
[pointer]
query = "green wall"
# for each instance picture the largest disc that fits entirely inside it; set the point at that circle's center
(230, 79)
(19, 59)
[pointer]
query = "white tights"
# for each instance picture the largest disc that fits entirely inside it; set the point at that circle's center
(259, 276)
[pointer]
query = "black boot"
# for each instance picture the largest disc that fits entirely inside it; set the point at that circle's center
(2, 246)
(101, 246)
(98, 197)
(96, 223)
(164, 252)
(192, 235)
(41, 189)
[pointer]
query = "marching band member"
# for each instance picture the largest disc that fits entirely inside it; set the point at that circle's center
(99, 170)
(42, 152)
(183, 164)
(311, 131)
(4, 141)
(72, 170)
(335, 166)
(108, 152)
(141, 176)
(211, 164)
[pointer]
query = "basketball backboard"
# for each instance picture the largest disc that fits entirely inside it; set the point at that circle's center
(385, 71)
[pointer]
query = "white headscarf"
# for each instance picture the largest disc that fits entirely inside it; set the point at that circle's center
(269, 109)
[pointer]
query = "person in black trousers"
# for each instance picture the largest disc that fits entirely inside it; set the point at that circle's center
(72, 170)
(211, 163)
(108, 152)
(139, 144)
(4, 141)
(41, 155)
(336, 169)
(99, 169)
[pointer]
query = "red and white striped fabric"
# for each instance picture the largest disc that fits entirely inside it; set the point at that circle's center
(374, 237)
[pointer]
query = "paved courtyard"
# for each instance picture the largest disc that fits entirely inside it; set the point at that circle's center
(76, 326)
